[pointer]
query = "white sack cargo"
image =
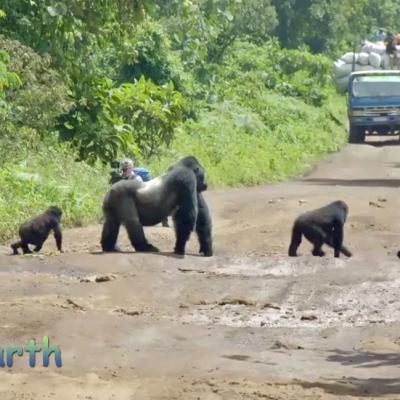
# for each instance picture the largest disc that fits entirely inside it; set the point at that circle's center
(348, 57)
(385, 61)
(375, 60)
(343, 83)
(366, 47)
(370, 47)
(341, 69)
(363, 58)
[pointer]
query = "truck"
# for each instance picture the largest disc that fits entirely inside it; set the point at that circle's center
(373, 104)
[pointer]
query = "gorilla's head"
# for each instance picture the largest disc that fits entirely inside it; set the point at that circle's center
(192, 163)
(54, 210)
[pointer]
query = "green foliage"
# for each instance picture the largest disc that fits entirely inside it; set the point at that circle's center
(253, 20)
(203, 30)
(49, 176)
(87, 129)
(271, 113)
(65, 28)
(382, 13)
(251, 69)
(135, 118)
(41, 94)
(146, 55)
(7, 79)
(281, 147)
(332, 26)
(148, 112)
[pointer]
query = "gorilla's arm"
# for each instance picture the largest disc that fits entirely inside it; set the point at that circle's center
(336, 239)
(186, 214)
(204, 226)
(295, 241)
(128, 214)
(337, 236)
(130, 217)
(57, 234)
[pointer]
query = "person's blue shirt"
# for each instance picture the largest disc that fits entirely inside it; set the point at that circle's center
(143, 173)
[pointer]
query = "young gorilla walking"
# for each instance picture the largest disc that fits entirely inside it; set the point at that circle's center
(321, 226)
(36, 230)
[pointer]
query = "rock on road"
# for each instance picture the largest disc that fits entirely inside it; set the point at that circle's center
(249, 323)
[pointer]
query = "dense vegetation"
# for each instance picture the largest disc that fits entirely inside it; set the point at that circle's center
(244, 85)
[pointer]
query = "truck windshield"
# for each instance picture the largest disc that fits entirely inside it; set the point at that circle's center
(376, 86)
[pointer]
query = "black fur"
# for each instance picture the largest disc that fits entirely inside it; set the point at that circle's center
(36, 231)
(204, 227)
(321, 226)
(137, 204)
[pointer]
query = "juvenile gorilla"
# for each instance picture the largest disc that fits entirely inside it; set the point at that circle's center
(321, 226)
(137, 204)
(36, 230)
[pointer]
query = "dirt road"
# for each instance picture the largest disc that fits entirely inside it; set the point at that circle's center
(249, 323)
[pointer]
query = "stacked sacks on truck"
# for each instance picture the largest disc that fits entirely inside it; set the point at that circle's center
(372, 56)
(363, 58)
(350, 62)
(374, 47)
(341, 71)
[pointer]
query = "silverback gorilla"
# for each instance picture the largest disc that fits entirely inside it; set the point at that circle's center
(321, 226)
(36, 230)
(136, 204)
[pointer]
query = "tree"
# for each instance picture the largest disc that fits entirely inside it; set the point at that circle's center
(204, 29)
(332, 26)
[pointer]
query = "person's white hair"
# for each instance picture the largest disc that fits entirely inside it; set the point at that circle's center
(126, 163)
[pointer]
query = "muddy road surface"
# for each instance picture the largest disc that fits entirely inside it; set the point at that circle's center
(248, 323)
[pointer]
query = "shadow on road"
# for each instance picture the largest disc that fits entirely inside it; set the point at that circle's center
(384, 143)
(351, 386)
(376, 387)
(155, 253)
(364, 359)
(354, 182)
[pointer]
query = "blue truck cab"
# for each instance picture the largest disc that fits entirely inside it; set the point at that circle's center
(373, 104)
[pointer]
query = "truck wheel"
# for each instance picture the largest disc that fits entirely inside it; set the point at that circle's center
(357, 134)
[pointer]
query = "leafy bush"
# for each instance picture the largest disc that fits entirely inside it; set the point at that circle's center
(7, 79)
(276, 149)
(50, 176)
(297, 73)
(135, 118)
(147, 54)
(271, 113)
(42, 95)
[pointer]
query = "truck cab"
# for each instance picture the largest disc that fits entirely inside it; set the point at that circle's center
(373, 104)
